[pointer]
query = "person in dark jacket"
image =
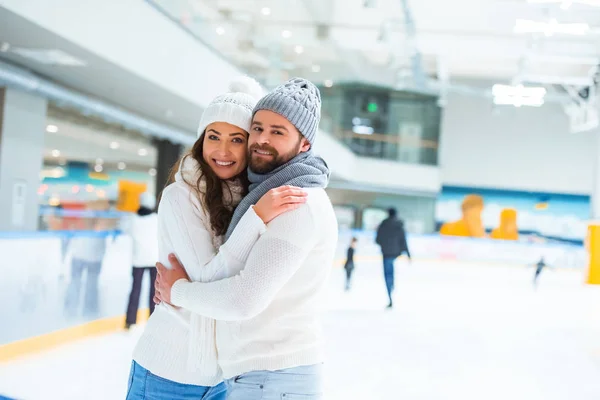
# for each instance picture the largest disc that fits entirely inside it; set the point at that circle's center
(349, 265)
(392, 240)
(539, 267)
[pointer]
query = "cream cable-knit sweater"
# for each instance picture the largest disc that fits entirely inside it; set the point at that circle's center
(176, 344)
(268, 313)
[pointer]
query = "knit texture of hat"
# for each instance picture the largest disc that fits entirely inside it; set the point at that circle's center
(299, 101)
(234, 107)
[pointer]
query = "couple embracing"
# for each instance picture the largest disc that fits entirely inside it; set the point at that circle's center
(247, 237)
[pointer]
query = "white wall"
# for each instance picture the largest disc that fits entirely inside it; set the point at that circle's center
(514, 148)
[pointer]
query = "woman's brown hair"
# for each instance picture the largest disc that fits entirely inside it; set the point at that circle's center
(220, 214)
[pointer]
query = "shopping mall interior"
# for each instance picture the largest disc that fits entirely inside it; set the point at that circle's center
(475, 121)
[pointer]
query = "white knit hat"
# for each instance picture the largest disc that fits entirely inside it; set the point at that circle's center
(235, 107)
(147, 200)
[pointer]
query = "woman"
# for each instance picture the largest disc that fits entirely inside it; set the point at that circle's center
(176, 356)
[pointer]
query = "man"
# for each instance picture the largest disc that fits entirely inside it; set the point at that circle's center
(268, 334)
(392, 240)
(349, 264)
(539, 267)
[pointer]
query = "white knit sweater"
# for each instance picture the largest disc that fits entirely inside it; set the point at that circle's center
(268, 314)
(176, 344)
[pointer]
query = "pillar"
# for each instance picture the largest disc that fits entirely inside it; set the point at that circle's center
(22, 128)
(168, 154)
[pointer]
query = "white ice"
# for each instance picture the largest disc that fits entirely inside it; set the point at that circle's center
(459, 331)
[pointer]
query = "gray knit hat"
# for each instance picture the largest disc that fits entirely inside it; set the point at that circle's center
(299, 101)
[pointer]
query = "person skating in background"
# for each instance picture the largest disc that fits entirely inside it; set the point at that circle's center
(392, 240)
(541, 264)
(88, 252)
(144, 234)
(349, 265)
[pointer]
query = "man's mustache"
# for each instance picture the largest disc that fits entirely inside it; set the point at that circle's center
(264, 147)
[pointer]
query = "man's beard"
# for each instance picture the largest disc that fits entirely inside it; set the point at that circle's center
(263, 166)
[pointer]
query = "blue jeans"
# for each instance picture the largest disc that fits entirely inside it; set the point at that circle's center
(388, 272)
(300, 383)
(143, 385)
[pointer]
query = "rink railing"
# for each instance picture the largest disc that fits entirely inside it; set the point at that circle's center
(434, 246)
(37, 274)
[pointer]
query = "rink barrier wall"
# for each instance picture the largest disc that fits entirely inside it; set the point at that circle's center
(48, 341)
(474, 250)
(37, 274)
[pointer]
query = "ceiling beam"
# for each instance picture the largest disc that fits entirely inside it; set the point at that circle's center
(418, 71)
(557, 80)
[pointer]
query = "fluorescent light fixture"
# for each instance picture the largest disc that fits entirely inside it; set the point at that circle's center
(518, 95)
(50, 57)
(220, 31)
(550, 28)
(518, 90)
(114, 145)
(56, 172)
(286, 34)
(265, 11)
(518, 101)
(299, 49)
(51, 128)
(142, 152)
(362, 129)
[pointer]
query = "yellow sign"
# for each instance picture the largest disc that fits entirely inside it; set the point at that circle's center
(129, 195)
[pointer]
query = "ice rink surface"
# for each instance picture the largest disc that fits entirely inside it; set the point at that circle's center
(458, 331)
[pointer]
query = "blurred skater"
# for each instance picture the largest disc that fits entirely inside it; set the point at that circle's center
(541, 264)
(144, 233)
(88, 250)
(392, 240)
(349, 265)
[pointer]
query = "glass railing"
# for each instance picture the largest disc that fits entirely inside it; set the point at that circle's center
(383, 123)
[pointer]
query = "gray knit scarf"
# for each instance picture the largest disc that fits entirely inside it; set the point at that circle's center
(305, 170)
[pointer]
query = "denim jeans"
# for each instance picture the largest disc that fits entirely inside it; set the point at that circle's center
(300, 383)
(143, 385)
(388, 272)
